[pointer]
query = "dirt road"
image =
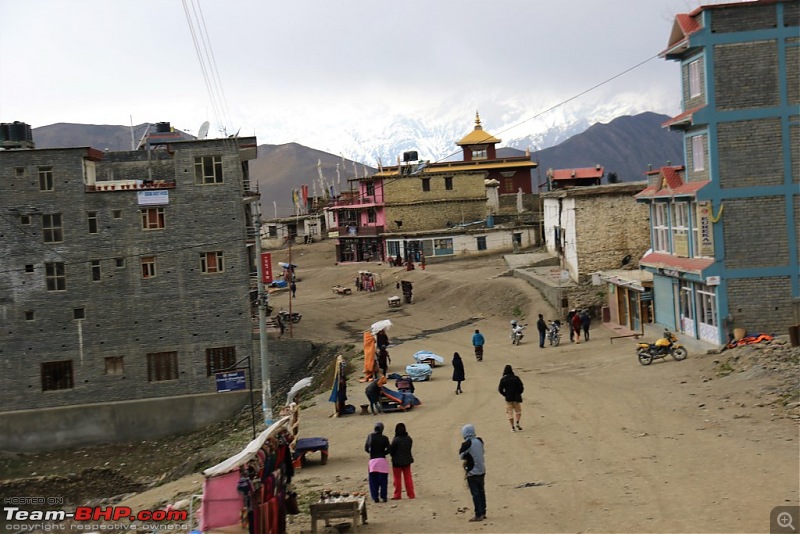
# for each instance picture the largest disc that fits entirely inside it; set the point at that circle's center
(607, 444)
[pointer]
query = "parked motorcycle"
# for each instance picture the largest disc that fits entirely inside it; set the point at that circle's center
(516, 332)
(285, 317)
(554, 333)
(666, 346)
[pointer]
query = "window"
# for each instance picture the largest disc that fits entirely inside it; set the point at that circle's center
(448, 183)
(119, 263)
(91, 218)
(95, 270)
(114, 365)
(680, 229)
(55, 276)
(698, 153)
(57, 375)
(372, 215)
(79, 313)
(442, 247)
(148, 266)
(370, 188)
(117, 214)
(508, 185)
(153, 218)
(45, 178)
(481, 242)
(162, 366)
(29, 268)
(695, 85)
(219, 359)
(52, 231)
(19, 172)
(426, 184)
(25, 219)
(211, 262)
(208, 170)
(660, 228)
(706, 305)
(479, 153)
(29, 315)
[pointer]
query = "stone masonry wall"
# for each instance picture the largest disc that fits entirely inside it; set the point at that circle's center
(433, 215)
(610, 227)
(750, 153)
(746, 75)
(699, 100)
(738, 19)
(761, 304)
(754, 233)
(691, 174)
(794, 143)
(793, 71)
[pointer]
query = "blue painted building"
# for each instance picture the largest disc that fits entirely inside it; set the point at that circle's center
(725, 228)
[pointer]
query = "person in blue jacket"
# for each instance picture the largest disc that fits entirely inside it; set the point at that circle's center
(477, 342)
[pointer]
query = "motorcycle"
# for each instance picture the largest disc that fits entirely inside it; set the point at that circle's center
(516, 333)
(666, 346)
(554, 333)
(285, 317)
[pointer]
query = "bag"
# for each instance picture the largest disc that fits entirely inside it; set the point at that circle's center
(291, 504)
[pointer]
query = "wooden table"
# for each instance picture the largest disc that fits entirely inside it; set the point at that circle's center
(346, 509)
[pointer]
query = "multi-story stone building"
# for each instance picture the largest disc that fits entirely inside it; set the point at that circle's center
(725, 231)
(124, 285)
(433, 209)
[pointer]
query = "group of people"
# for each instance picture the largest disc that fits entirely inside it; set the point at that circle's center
(382, 361)
(578, 320)
(378, 447)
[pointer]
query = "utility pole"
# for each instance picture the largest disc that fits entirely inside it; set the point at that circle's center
(263, 302)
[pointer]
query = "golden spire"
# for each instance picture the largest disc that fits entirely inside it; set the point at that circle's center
(478, 121)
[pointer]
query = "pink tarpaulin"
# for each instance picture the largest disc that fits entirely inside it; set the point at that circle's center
(222, 504)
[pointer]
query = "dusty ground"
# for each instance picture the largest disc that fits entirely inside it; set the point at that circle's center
(703, 445)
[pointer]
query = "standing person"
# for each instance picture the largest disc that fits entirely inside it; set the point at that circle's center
(542, 327)
(373, 392)
(471, 452)
(586, 321)
(477, 342)
(293, 288)
(511, 388)
(576, 327)
(377, 446)
(422, 261)
(384, 360)
(570, 315)
(381, 339)
(458, 372)
(400, 449)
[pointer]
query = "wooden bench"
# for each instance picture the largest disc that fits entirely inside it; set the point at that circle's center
(349, 510)
(341, 290)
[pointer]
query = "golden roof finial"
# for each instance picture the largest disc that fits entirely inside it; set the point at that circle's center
(478, 121)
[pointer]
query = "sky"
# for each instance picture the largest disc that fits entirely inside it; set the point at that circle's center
(307, 70)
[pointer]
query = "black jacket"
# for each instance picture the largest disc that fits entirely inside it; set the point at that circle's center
(400, 450)
(377, 445)
(511, 388)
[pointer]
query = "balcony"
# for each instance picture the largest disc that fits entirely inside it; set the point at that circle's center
(360, 231)
(125, 185)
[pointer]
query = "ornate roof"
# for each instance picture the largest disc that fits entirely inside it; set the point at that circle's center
(478, 136)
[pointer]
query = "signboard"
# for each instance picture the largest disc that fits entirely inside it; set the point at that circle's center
(266, 267)
(705, 230)
(712, 280)
(680, 245)
(153, 198)
(231, 381)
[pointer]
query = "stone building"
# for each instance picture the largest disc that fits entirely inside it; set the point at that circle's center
(123, 283)
(725, 229)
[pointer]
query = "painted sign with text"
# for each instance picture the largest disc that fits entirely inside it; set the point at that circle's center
(266, 267)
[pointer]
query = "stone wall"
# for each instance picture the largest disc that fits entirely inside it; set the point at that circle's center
(746, 74)
(761, 304)
(750, 153)
(755, 233)
(701, 175)
(740, 19)
(434, 215)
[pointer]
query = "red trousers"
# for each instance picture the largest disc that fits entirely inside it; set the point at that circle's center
(400, 474)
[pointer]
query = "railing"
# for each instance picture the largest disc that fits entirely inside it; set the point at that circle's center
(344, 231)
(129, 185)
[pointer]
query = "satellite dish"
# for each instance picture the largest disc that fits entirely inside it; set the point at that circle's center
(202, 133)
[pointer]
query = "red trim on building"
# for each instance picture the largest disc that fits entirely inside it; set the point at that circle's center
(660, 260)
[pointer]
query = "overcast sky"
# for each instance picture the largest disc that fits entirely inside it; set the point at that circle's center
(320, 65)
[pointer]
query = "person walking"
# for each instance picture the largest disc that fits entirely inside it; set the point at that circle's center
(586, 322)
(373, 392)
(542, 327)
(477, 342)
(458, 372)
(511, 388)
(400, 449)
(471, 453)
(293, 288)
(570, 315)
(576, 327)
(377, 446)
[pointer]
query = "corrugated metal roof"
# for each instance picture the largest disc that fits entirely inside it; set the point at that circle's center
(660, 260)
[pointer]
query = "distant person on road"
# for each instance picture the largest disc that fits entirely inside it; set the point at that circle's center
(576, 327)
(477, 342)
(400, 449)
(293, 288)
(511, 388)
(542, 327)
(458, 372)
(377, 446)
(471, 453)
(586, 322)
(570, 315)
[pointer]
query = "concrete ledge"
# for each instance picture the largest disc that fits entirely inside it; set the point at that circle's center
(91, 424)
